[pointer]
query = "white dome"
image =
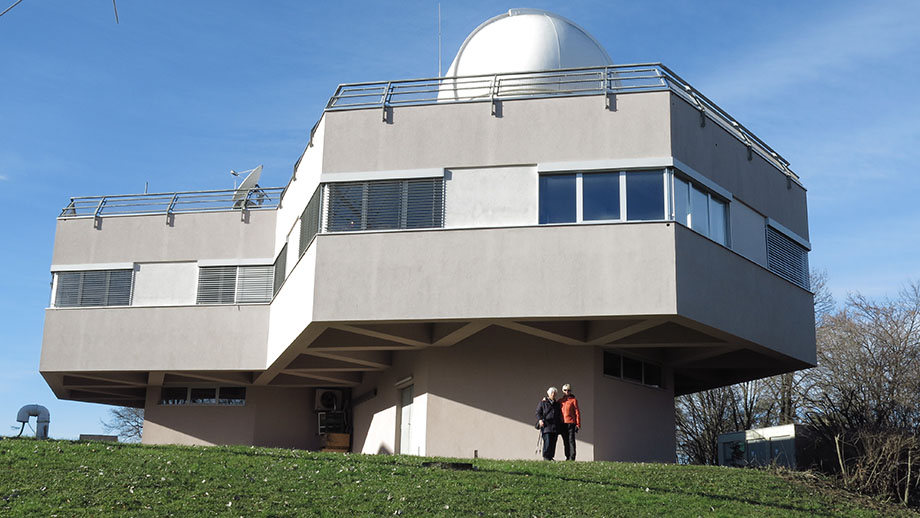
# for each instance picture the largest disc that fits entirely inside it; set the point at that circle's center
(525, 40)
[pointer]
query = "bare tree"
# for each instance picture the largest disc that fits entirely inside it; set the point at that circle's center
(127, 422)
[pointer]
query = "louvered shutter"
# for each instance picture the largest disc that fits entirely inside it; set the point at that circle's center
(309, 220)
(94, 288)
(425, 203)
(346, 206)
(280, 268)
(216, 285)
(254, 284)
(787, 258)
(385, 205)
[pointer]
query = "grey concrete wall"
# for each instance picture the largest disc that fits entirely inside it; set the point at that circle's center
(273, 417)
(491, 197)
(723, 290)
(718, 155)
(632, 422)
(155, 338)
(554, 271)
(527, 132)
(485, 390)
(192, 237)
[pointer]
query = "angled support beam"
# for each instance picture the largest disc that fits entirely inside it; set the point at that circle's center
(458, 334)
(236, 378)
(408, 334)
(602, 337)
(352, 379)
(539, 333)
(311, 333)
(372, 360)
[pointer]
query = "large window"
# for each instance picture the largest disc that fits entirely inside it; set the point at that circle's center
(93, 288)
(701, 210)
(385, 205)
(235, 284)
(601, 196)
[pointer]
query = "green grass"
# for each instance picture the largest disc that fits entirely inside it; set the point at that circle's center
(63, 478)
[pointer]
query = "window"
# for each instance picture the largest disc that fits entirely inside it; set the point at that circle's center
(227, 396)
(701, 210)
(601, 196)
(631, 369)
(385, 205)
(787, 258)
(644, 196)
(235, 284)
(94, 288)
(280, 268)
(309, 221)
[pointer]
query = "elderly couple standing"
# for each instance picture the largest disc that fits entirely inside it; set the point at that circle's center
(556, 417)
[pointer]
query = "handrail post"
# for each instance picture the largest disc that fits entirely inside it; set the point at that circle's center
(385, 101)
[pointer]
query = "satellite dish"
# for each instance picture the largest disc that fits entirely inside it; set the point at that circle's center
(249, 183)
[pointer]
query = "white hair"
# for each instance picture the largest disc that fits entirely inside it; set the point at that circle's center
(566, 387)
(550, 391)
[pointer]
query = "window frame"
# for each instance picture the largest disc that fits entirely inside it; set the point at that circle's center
(711, 197)
(622, 175)
(644, 365)
(188, 389)
(81, 287)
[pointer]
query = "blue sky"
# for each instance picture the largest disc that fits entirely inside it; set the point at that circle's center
(179, 93)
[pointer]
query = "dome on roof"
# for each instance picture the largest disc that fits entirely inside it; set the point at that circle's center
(524, 40)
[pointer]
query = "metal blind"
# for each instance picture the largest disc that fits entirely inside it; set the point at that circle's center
(280, 268)
(94, 288)
(385, 205)
(309, 220)
(216, 285)
(254, 284)
(787, 258)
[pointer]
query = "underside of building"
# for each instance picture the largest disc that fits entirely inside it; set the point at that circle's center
(445, 250)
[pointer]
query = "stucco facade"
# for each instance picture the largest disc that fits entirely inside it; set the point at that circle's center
(420, 267)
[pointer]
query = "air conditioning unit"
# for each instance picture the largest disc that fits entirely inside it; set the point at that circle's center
(328, 400)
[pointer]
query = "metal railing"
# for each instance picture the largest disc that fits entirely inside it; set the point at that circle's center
(259, 198)
(606, 80)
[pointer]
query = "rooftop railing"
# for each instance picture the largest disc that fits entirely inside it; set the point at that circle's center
(259, 198)
(494, 88)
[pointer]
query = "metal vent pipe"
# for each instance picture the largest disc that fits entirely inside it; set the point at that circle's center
(44, 419)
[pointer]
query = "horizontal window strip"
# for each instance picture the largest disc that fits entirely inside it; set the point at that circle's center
(94, 288)
(385, 205)
(235, 284)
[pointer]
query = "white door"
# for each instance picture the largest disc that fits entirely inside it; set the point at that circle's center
(405, 421)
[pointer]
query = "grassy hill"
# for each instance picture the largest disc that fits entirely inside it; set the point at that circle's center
(64, 479)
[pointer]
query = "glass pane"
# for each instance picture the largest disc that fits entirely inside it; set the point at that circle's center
(204, 396)
(119, 292)
(717, 221)
(68, 289)
(681, 200)
(644, 196)
(601, 196)
(557, 198)
(232, 396)
(345, 206)
(652, 375)
(173, 395)
(94, 288)
(612, 365)
(699, 211)
(632, 369)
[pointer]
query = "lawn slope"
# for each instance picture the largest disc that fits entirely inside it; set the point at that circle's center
(65, 479)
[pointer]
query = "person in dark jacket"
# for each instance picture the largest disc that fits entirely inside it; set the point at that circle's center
(549, 420)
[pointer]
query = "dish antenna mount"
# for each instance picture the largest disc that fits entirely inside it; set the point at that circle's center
(250, 185)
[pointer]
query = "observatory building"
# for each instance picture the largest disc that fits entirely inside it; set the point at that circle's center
(444, 251)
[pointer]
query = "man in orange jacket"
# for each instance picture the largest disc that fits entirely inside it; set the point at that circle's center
(571, 418)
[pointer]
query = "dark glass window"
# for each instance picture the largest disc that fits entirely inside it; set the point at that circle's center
(612, 365)
(346, 204)
(174, 396)
(204, 396)
(557, 198)
(699, 217)
(632, 369)
(644, 196)
(232, 396)
(600, 196)
(652, 375)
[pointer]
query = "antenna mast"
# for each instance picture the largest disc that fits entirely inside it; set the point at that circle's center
(439, 39)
